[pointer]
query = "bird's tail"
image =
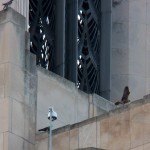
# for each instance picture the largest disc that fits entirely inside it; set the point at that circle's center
(117, 103)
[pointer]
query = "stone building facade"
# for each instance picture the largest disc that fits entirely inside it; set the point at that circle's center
(94, 122)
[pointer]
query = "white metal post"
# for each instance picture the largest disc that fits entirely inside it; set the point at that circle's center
(50, 130)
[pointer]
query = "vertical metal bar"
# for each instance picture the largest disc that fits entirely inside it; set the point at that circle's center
(105, 59)
(50, 131)
(71, 40)
(59, 53)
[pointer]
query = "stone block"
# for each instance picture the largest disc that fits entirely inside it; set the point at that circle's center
(12, 142)
(29, 146)
(146, 123)
(137, 11)
(13, 50)
(137, 41)
(5, 115)
(146, 146)
(119, 131)
(74, 138)
(137, 126)
(104, 133)
(29, 124)
(120, 34)
(148, 11)
(2, 92)
(138, 148)
(18, 118)
(87, 135)
(82, 105)
(14, 86)
(1, 141)
(120, 13)
(2, 74)
(42, 144)
(61, 141)
(3, 46)
(120, 61)
(98, 134)
(30, 90)
(148, 37)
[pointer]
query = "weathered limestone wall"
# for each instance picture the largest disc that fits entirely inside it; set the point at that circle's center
(126, 128)
(71, 104)
(130, 48)
(17, 85)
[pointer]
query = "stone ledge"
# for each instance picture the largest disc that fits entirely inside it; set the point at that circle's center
(126, 107)
(10, 15)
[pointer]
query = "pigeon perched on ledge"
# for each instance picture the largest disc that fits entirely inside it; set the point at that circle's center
(125, 96)
(7, 4)
(46, 129)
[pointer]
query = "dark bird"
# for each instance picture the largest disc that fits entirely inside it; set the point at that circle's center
(7, 4)
(125, 96)
(46, 129)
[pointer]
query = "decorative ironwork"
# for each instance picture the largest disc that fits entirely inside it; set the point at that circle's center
(42, 19)
(89, 46)
(41, 27)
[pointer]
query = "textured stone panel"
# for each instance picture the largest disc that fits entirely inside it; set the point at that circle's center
(120, 61)
(18, 118)
(2, 72)
(104, 133)
(1, 141)
(137, 11)
(12, 142)
(61, 141)
(14, 82)
(98, 134)
(148, 12)
(119, 131)
(5, 115)
(120, 33)
(3, 46)
(86, 133)
(29, 125)
(82, 105)
(74, 139)
(120, 13)
(137, 126)
(146, 146)
(12, 51)
(137, 46)
(29, 146)
(42, 144)
(138, 148)
(146, 123)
